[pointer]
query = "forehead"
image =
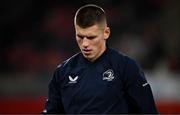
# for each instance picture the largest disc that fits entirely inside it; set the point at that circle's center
(95, 29)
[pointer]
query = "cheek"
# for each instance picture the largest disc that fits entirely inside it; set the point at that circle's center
(78, 41)
(99, 42)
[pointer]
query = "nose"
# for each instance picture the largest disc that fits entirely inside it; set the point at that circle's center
(85, 42)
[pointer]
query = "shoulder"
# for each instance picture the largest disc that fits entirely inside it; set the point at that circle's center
(116, 54)
(70, 61)
(119, 57)
(123, 61)
(130, 70)
(66, 65)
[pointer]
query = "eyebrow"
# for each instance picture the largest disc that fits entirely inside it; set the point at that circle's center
(81, 36)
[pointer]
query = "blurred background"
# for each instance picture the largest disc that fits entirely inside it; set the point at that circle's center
(37, 35)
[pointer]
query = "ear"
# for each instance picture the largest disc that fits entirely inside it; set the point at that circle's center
(106, 33)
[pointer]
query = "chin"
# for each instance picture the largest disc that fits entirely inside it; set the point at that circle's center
(88, 57)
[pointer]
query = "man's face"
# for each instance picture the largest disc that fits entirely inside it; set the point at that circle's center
(92, 40)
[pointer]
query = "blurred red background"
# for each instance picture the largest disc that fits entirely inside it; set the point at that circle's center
(36, 106)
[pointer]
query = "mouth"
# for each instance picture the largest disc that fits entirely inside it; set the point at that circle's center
(86, 51)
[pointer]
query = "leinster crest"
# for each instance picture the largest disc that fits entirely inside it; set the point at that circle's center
(108, 75)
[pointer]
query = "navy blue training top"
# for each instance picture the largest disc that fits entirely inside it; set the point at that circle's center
(112, 84)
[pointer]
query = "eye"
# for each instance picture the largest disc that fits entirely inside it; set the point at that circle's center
(79, 36)
(91, 37)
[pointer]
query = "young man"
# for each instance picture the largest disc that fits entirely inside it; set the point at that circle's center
(98, 80)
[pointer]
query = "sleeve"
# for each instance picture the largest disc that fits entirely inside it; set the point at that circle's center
(54, 104)
(138, 91)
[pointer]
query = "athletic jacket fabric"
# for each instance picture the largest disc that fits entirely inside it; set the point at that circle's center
(113, 84)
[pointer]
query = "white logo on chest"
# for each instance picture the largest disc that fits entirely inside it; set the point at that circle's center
(73, 80)
(108, 75)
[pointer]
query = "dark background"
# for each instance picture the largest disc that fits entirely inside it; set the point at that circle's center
(37, 35)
